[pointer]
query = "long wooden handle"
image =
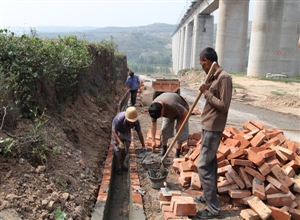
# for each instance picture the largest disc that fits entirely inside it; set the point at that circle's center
(189, 113)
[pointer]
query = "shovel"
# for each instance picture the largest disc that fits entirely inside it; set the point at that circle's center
(162, 168)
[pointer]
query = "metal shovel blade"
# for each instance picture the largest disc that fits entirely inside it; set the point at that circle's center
(166, 191)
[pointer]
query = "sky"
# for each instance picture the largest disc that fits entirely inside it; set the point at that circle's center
(93, 13)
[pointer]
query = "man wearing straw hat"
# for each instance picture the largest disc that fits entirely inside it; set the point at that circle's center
(122, 124)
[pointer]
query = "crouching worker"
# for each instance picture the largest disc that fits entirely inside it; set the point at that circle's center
(121, 135)
(172, 107)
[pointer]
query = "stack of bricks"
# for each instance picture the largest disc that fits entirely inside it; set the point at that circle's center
(177, 206)
(148, 141)
(258, 167)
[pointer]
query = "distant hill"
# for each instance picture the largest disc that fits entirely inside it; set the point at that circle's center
(148, 45)
(148, 48)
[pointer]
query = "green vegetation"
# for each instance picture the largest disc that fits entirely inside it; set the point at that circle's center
(238, 74)
(148, 48)
(285, 80)
(236, 85)
(59, 215)
(28, 63)
(278, 93)
(33, 70)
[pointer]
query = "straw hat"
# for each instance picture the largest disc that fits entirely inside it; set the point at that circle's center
(131, 114)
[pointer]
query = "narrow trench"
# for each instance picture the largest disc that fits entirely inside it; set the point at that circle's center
(119, 204)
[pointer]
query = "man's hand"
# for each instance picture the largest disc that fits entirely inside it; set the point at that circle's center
(153, 146)
(121, 145)
(204, 88)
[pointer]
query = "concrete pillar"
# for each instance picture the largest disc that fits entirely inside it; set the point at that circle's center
(290, 31)
(181, 49)
(175, 51)
(231, 41)
(265, 38)
(203, 36)
(187, 46)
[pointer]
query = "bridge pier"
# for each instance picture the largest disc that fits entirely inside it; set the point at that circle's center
(231, 41)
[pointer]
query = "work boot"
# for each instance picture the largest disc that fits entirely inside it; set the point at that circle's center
(177, 155)
(164, 150)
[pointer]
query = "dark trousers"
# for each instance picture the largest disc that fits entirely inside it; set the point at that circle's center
(133, 96)
(208, 169)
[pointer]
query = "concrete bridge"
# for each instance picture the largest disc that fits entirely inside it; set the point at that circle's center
(273, 43)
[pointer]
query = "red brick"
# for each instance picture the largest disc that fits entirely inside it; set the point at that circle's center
(229, 179)
(255, 174)
(184, 208)
(267, 153)
(237, 179)
(249, 214)
(292, 145)
(272, 161)
(220, 157)
(195, 181)
(226, 134)
(244, 176)
(255, 158)
(258, 139)
(271, 189)
(223, 170)
(244, 143)
(277, 184)
(186, 176)
(264, 169)
(223, 149)
(225, 189)
(257, 124)
(224, 182)
(259, 207)
(241, 162)
(176, 166)
(279, 213)
(223, 163)
(180, 199)
(235, 154)
(238, 193)
(195, 154)
(279, 199)
(288, 153)
(281, 176)
(183, 182)
(294, 164)
(185, 166)
(232, 142)
(249, 126)
(166, 208)
(169, 215)
(233, 130)
(295, 213)
(296, 186)
(258, 189)
(273, 134)
(164, 198)
(290, 172)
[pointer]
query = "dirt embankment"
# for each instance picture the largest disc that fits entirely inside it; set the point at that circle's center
(77, 140)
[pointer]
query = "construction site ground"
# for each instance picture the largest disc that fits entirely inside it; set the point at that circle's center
(252, 92)
(77, 169)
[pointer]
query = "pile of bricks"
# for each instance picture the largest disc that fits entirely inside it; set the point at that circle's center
(258, 167)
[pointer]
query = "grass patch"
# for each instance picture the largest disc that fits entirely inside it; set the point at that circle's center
(277, 93)
(238, 86)
(238, 74)
(285, 80)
